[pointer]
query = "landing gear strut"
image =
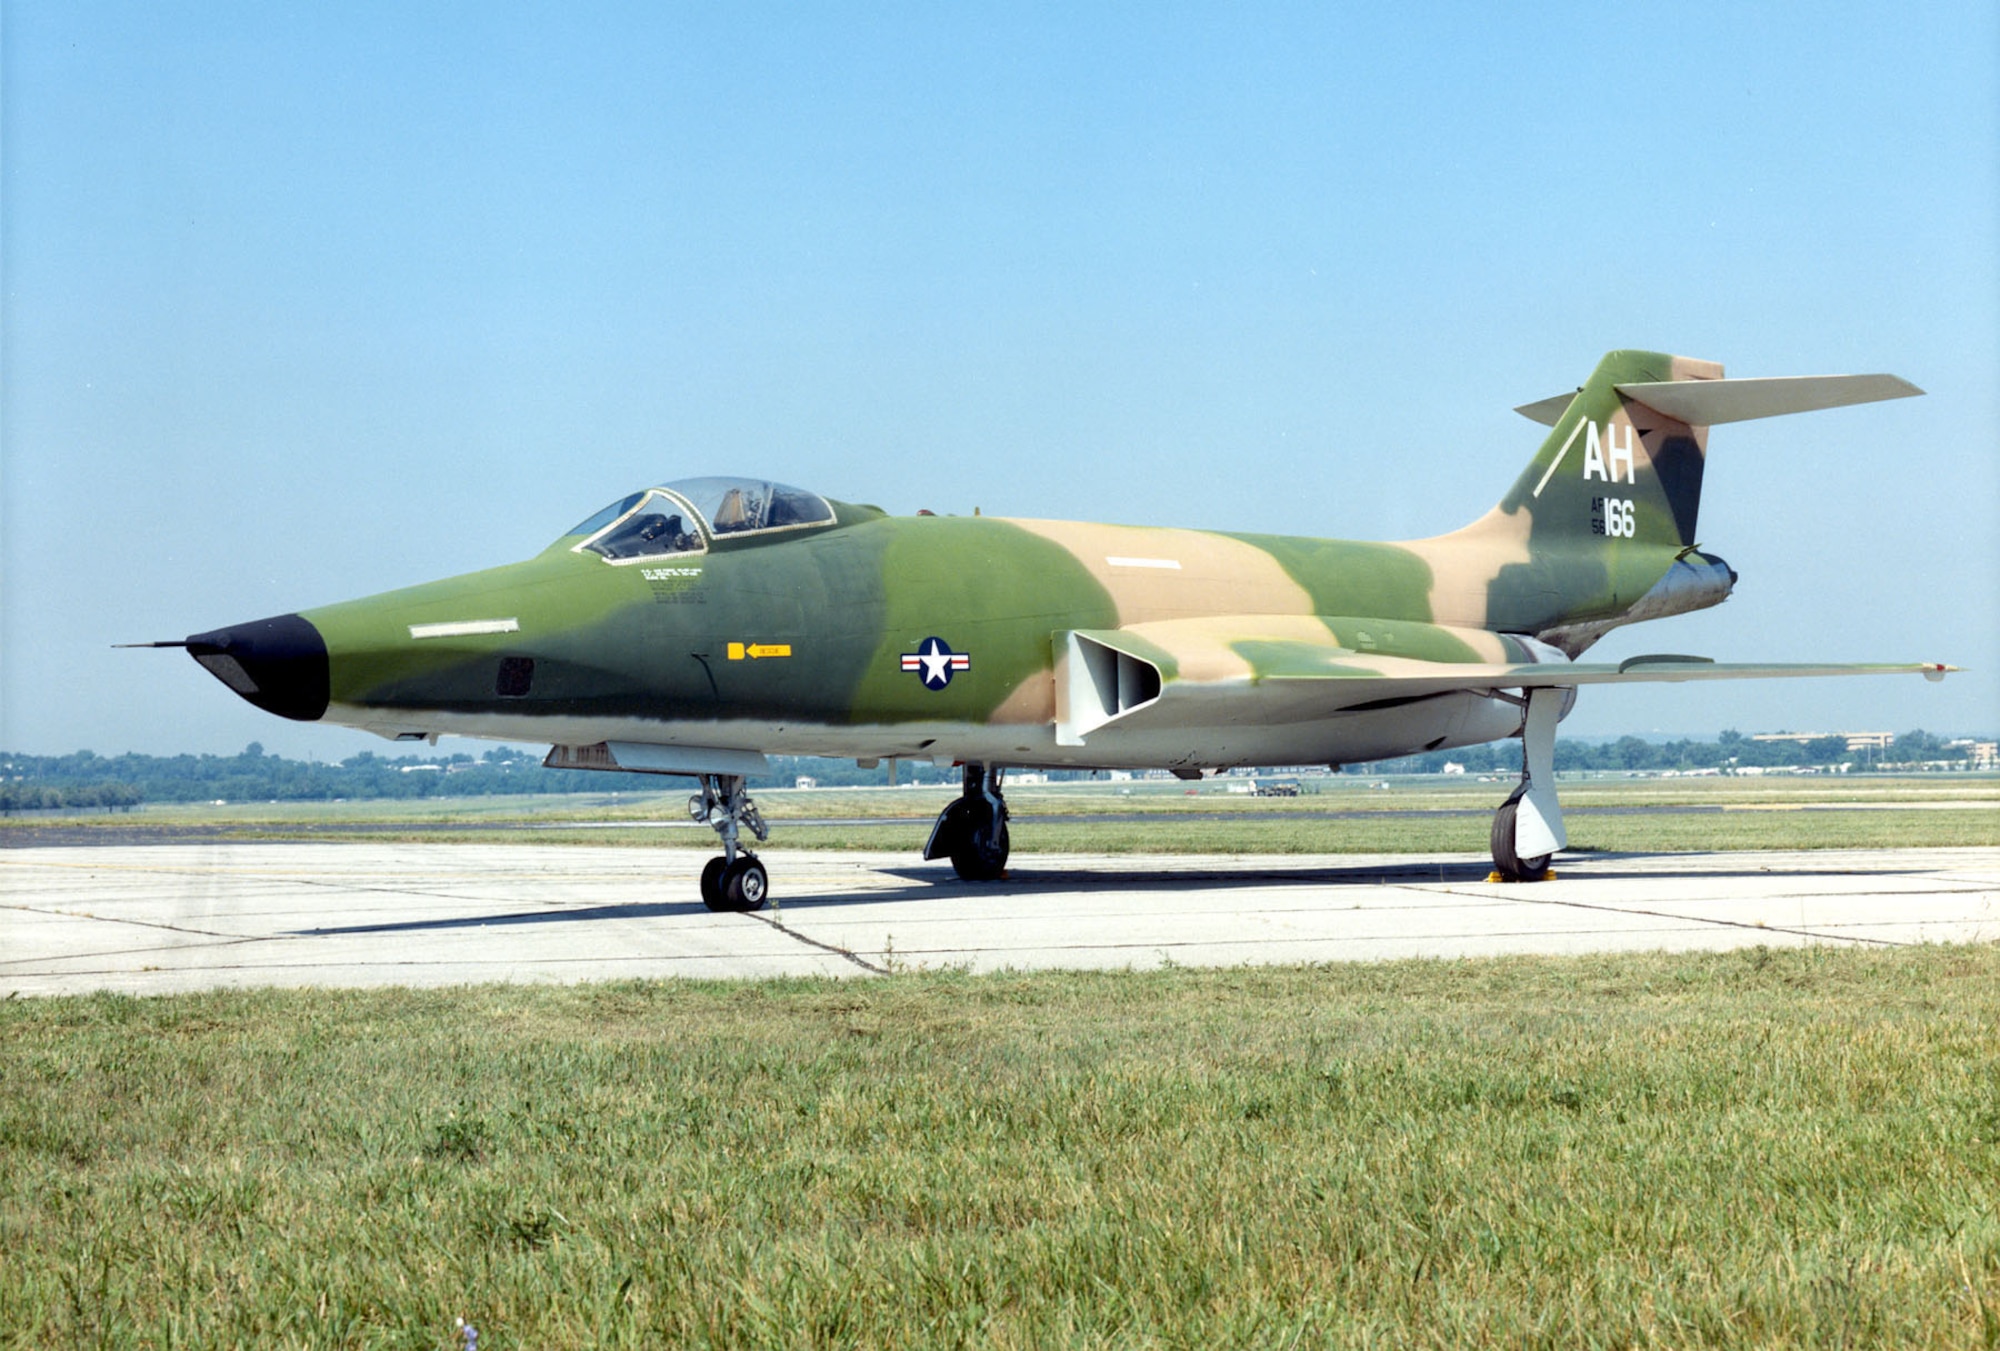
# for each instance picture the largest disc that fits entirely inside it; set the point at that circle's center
(737, 880)
(1528, 827)
(972, 831)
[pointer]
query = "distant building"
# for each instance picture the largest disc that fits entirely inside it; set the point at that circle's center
(1856, 741)
(1980, 754)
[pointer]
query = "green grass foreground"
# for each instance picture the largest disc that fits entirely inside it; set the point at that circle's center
(1764, 1147)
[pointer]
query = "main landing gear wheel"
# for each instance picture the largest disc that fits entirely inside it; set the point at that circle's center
(1532, 815)
(1511, 866)
(972, 830)
(981, 855)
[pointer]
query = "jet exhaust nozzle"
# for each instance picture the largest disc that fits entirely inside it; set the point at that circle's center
(278, 664)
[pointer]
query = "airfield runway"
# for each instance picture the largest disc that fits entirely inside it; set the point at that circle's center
(155, 919)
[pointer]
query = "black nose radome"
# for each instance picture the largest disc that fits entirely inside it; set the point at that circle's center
(277, 664)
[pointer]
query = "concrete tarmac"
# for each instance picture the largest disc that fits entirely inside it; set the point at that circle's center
(157, 919)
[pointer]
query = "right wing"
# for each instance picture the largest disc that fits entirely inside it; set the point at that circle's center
(1270, 669)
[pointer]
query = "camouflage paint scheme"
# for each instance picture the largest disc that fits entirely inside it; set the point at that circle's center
(1088, 645)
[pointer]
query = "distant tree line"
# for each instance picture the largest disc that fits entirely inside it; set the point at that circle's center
(86, 780)
(29, 797)
(1730, 751)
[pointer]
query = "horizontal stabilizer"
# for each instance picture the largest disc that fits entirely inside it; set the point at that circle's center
(1705, 403)
(1548, 411)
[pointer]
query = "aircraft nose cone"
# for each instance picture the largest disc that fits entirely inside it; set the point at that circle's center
(278, 664)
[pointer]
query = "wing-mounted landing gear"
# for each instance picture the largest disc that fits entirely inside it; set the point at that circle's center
(737, 880)
(1528, 827)
(972, 831)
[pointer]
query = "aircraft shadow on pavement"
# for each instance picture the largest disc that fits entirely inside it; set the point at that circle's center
(655, 910)
(933, 882)
(939, 883)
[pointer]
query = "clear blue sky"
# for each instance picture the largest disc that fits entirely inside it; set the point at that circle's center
(306, 302)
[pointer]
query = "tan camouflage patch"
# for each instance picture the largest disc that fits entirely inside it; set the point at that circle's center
(1693, 368)
(1158, 573)
(1031, 702)
(1465, 563)
(1203, 646)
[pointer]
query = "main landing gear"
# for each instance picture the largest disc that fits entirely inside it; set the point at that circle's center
(737, 880)
(1528, 827)
(972, 831)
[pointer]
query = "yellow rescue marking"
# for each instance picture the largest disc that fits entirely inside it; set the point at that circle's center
(757, 651)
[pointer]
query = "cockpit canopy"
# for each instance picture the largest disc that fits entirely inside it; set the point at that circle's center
(672, 518)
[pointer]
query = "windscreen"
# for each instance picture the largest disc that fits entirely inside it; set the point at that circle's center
(659, 525)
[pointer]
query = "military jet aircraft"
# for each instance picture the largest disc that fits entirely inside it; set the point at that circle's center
(694, 627)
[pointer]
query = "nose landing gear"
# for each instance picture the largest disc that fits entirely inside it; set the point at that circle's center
(736, 881)
(972, 832)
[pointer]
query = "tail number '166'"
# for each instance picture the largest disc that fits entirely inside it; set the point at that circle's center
(1613, 516)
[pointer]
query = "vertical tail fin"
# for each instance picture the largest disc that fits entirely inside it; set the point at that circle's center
(1612, 498)
(1614, 470)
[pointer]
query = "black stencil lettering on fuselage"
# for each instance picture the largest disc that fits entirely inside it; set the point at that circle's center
(1596, 515)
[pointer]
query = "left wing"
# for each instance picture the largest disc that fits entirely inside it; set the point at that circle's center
(1240, 669)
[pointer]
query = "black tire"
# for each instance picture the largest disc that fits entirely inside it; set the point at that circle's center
(1511, 866)
(746, 886)
(711, 884)
(981, 853)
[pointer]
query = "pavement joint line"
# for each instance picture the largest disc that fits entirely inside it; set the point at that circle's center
(114, 919)
(1702, 920)
(772, 921)
(280, 878)
(140, 952)
(622, 959)
(1293, 939)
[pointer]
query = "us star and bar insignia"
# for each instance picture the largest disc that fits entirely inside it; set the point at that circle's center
(934, 662)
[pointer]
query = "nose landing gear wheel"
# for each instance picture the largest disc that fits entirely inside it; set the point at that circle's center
(737, 887)
(744, 885)
(736, 881)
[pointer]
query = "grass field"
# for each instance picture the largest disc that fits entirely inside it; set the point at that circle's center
(1345, 814)
(1793, 1148)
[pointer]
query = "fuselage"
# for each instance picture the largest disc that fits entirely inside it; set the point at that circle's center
(867, 636)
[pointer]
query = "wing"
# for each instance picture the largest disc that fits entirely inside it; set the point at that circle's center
(1241, 669)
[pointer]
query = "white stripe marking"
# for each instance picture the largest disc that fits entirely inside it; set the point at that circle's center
(1172, 564)
(1559, 455)
(465, 628)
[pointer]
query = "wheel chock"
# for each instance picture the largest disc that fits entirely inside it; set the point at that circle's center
(1495, 876)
